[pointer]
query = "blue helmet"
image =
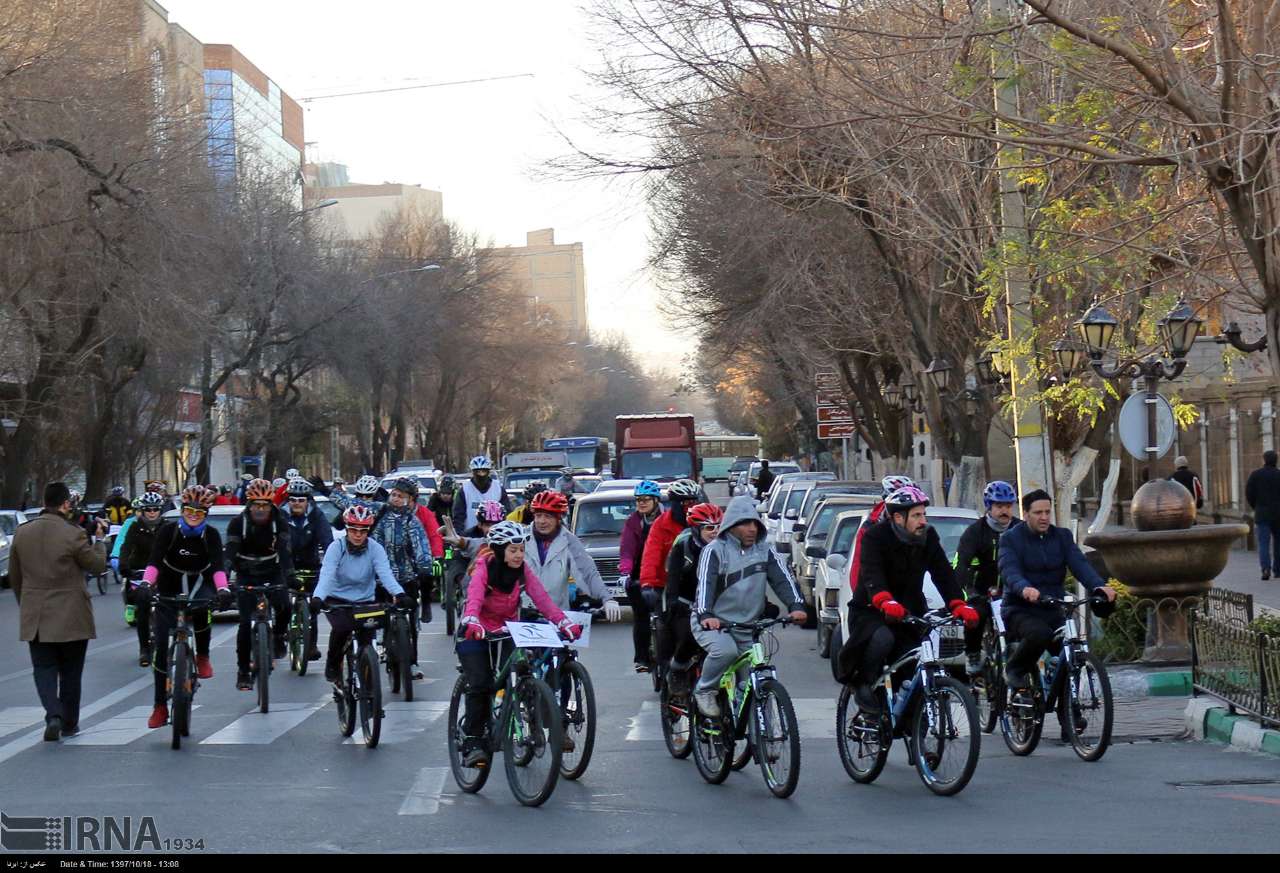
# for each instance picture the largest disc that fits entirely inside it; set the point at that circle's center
(481, 462)
(649, 488)
(998, 492)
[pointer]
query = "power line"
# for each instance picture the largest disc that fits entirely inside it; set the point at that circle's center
(414, 87)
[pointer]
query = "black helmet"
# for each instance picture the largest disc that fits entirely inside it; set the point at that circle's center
(407, 485)
(533, 491)
(447, 485)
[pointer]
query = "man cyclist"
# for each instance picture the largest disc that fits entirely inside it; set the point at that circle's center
(978, 564)
(888, 485)
(635, 534)
(732, 572)
(677, 646)
(137, 544)
(354, 566)
(186, 558)
(116, 507)
(258, 550)
(479, 488)
(646, 590)
(309, 537)
(441, 503)
(898, 550)
(1034, 559)
(558, 554)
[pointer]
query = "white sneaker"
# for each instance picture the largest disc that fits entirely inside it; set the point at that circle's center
(708, 705)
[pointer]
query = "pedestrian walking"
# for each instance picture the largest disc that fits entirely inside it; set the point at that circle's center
(1188, 480)
(1263, 493)
(764, 480)
(47, 564)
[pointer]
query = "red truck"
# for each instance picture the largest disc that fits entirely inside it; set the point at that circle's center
(660, 447)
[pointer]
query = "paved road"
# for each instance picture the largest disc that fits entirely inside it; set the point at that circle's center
(286, 781)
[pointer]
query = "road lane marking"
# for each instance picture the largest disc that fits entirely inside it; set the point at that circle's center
(15, 718)
(118, 730)
(404, 721)
(424, 797)
(260, 728)
(644, 724)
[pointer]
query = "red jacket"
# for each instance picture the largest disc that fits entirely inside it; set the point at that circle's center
(432, 526)
(282, 494)
(856, 564)
(226, 500)
(653, 562)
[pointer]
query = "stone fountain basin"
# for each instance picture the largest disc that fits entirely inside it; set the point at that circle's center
(1167, 563)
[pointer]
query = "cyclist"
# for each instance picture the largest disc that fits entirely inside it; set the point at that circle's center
(635, 533)
(81, 518)
(258, 549)
(523, 514)
(493, 598)
(678, 646)
(479, 488)
(977, 564)
(309, 536)
(732, 572)
(888, 485)
(646, 590)
(129, 522)
(354, 566)
(431, 525)
(116, 507)
(441, 503)
(1034, 559)
(559, 554)
(137, 543)
(897, 552)
(488, 514)
(186, 558)
(225, 497)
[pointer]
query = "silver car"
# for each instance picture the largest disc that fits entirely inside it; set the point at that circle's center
(598, 519)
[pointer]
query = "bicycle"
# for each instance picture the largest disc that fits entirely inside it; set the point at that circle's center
(360, 690)
(759, 711)
(523, 721)
(182, 681)
(577, 703)
(988, 686)
(452, 593)
(1086, 695)
(400, 635)
(927, 704)
(260, 659)
(300, 620)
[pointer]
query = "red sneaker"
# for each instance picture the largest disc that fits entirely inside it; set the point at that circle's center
(159, 716)
(204, 667)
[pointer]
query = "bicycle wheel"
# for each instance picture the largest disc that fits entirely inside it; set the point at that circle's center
(300, 636)
(655, 673)
(863, 740)
(988, 686)
(392, 643)
(579, 721)
(404, 637)
(1022, 717)
(180, 676)
(469, 779)
(370, 701)
(776, 738)
(712, 744)
(531, 742)
(674, 712)
(1092, 710)
(344, 697)
(742, 756)
(448, 604)
(262, 656)
(946, 736)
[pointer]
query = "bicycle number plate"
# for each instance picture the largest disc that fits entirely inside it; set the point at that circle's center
(931, 646)
(534, 635)
(584, 619)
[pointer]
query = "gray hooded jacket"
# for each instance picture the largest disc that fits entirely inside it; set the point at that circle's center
(731, 578)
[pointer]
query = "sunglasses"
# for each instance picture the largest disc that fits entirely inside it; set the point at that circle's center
(190, 510)
(151, 511)
(357, 530)
(262, 504)
(298, 499)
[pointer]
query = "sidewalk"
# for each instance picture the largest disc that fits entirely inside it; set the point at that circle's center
(1243, 574)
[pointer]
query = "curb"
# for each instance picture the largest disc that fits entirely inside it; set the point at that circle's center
(1207, 719)
(1138, 683)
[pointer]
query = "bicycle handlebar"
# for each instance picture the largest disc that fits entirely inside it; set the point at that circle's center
(1070, 602)
(764, 624)
(932, 619)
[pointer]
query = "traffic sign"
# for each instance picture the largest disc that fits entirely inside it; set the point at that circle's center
(834, 414)
(827, 380)
(251, 460)
(836, 431)
(1133, 426)
(831, 397)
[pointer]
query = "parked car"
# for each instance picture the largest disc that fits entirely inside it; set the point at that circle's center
(10, 520)
(815, 530)
(790, 513)
(789, 478)
(598, 519)
(831, 583)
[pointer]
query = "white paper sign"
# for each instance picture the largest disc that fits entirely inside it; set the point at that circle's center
(534, 635)
(584, 619)
(115, 530)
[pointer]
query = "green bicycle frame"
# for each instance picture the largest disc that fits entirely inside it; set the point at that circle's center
(756, 661)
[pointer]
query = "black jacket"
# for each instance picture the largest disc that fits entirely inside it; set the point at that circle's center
(1263, 493)
(176, 556)
(1189, 480)
(259, 551)
(440, 508)
(682, 567)
(139, 542)
(889, 564)
(309, 535)
(978, 558)
(763, 481)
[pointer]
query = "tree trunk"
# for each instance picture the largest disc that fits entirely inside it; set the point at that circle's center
(966, 482)
(208, 399)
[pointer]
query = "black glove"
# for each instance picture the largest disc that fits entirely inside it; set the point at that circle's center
(316, 605)
(224, 598)
(404, 601)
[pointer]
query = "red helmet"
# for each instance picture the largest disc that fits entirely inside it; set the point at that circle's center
(704, 514)
(550, 501)
(358, 515)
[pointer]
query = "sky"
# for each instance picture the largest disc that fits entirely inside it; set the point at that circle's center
(481, 145)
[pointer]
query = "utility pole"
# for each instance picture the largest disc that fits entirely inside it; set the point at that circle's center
(1028, 415)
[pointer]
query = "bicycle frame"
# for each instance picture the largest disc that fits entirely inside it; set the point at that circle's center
(927, 663)
(755, 660)
(1074, 647)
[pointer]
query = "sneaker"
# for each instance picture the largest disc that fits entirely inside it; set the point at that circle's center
(426, 612)
(568, 745)
(144, 659)
(973, 664)
(244, 682)
(866, 698)
(70, 730)
(52, 729)
(477, 758)
(159, 717)
(708, 705)
(417, 675)
(643, 667)
(332, 674)
(313, 654)
(204, 667)
(1266, 574)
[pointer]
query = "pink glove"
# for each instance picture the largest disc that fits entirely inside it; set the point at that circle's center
(474, 631)
(571, 631)
(892, 609)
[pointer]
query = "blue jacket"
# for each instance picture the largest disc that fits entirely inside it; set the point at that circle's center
(1041, 561)
(353, 577)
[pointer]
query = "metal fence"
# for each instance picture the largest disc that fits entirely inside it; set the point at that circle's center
(1232, 662)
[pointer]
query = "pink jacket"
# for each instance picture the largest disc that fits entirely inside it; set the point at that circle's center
(495, 609)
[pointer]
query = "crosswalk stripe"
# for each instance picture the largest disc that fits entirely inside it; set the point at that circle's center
(118, 730)
(15, 718)
(644, 724)
(424, 797)
(259, 728)
(405, 721)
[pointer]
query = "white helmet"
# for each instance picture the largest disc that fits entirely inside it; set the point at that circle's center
(367, 485)
(481, 462)
(683, 489)
(506, 532)
(890, 484)
(291, 473)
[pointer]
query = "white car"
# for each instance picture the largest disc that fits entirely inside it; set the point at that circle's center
(790, 513)
(832, 589)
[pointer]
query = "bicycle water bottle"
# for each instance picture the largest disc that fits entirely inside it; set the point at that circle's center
(573, 592)
(904, 695)
(129, 611)
(1050, 670)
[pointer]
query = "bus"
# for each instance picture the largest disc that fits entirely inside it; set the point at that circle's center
(586, 454)
(718, 454)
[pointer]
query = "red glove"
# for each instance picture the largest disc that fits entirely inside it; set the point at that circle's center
(571, 631)
(474, 631)
(965, 613)
(892, 609)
